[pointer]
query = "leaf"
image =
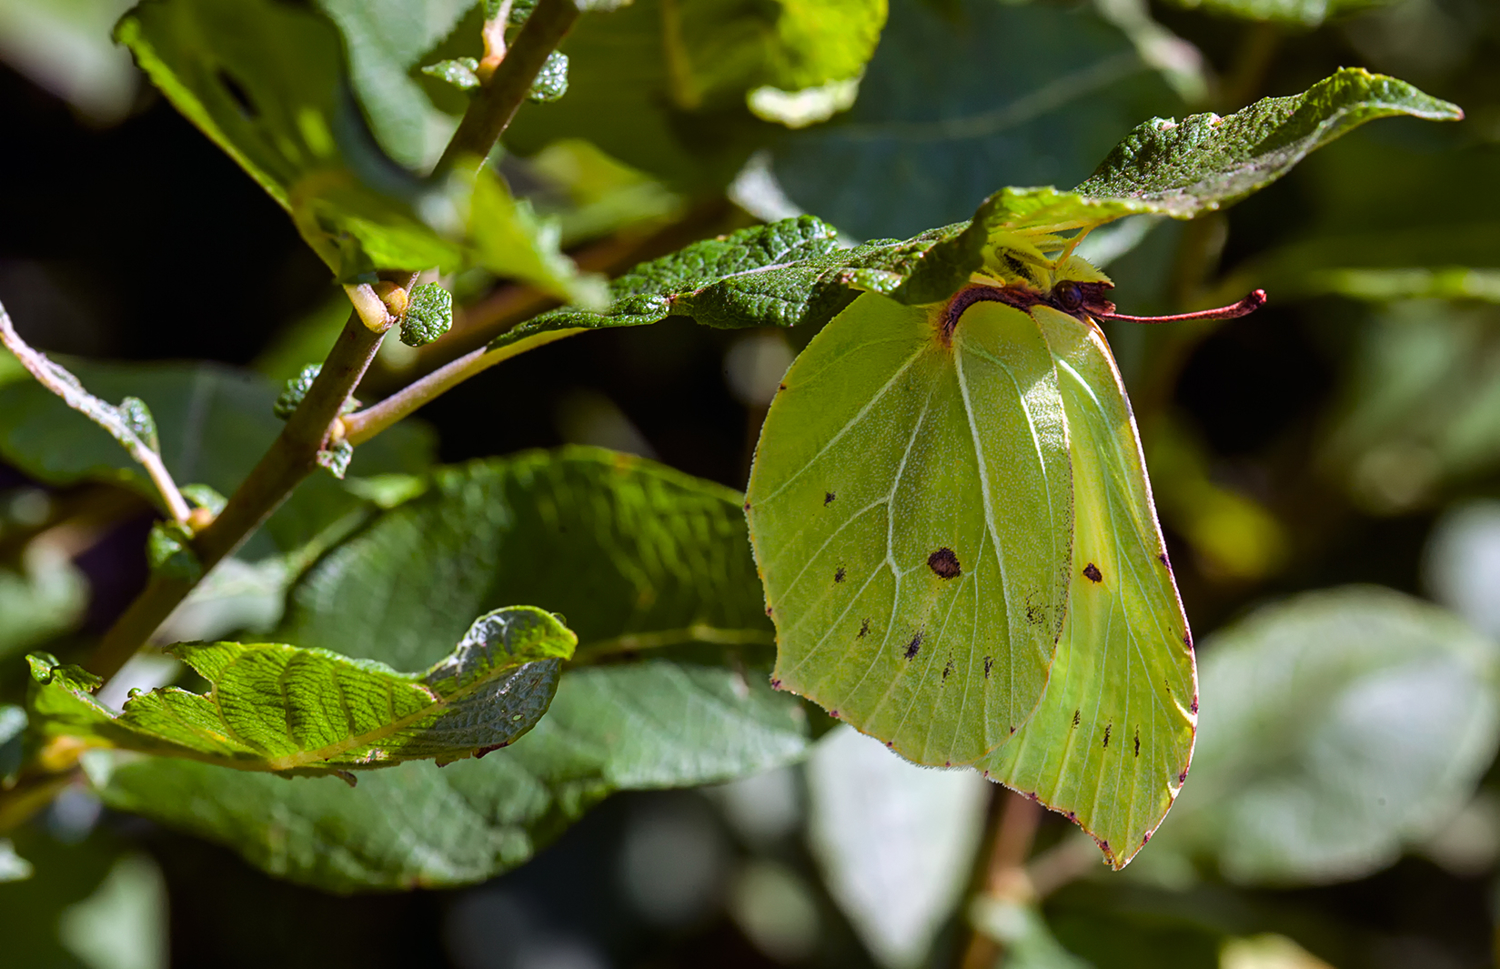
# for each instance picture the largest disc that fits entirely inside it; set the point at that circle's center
(273, 707)
(1337, 726)
(1110, 743)
(42, 597)
(668, 577)
(13, 868)
(633, 726)
(1206, 162)
(1300, 13)
(662, 86)
(895, 843)
(910, 512)
(286, 119)
(214, 423)
(941, 119)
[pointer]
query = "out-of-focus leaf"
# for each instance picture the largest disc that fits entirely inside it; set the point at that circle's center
(123, 924)
(214, 423)
(12, 738)
(1300, 13)
(662, 86)
(1335, 728)
(65, 874)
(1023, 935)
(273, 707)
(13, 868)
(267, 82)
(1420, 408)
(1461, 563)
(64, 46)
(636, 556)
(895, 842)
(44, 597)
(1412, 242)
(942, 120)
(384, 40)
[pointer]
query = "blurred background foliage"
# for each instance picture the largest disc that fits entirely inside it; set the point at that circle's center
(1327, 470)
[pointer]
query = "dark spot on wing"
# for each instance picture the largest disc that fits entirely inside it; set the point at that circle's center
(1012, 729)
(839, 575)
(1146, 838)
(1182, 778)
(1162, 558)
(864, 628)
(1187, 638)
(1138, 741)
(914, 645)
(1195, 704)
(747, 506)
(1092, 573)
(944, 563)
(781, 387)
(989, 664)
(1036, 613)
(834, 714)
(768, 610)
(1107, 728)
(828, 497)
(1076, 718)
(775, 683)
(948, 670)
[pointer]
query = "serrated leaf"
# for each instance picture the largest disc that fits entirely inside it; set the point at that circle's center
(429, 314)
(669, 577)
(273, 707)
(941, 119)
(1110, 743)
(910, 510)
(1336, 727)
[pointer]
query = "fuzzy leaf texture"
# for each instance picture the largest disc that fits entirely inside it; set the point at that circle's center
(280, 708)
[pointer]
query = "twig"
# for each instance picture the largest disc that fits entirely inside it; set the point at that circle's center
(107, 416)
(498, 98)
(291, 458)
(365, 424)
(1005, 874)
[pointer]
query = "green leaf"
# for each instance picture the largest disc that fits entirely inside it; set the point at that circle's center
(286, 118)
(428, 315)
(214, 423)
(1336, 727)
(1206, 162)
(640, 558)
(910, 512)
(662, 86)
(1300, 13)
(941, 119)
(552, 80)
(1110, 743)
(635, 555)
(273, 707)
(43, 595)
(632, 726)
(384, 40)
(13, 868)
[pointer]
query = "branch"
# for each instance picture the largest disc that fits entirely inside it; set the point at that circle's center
(1005, 873)
(291, 458)
(498, 98)
(362, 425)
(108, 416)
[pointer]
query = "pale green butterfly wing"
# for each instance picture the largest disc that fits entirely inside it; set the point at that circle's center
(910, 513)
(1110, 743)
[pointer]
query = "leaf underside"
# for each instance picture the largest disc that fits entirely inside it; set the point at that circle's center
(280, 708)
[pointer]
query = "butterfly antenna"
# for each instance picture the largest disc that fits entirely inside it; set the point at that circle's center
(1244, 307)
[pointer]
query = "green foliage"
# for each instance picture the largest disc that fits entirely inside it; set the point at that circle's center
(941, 119)
(1337, 727)
(214, 423)
(273, 707)
(662, 86)
(552, 81)
(1205, 162)
(286, 122)
(429, 314)
(1299, 13)
(638, 557)
(168, 552)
